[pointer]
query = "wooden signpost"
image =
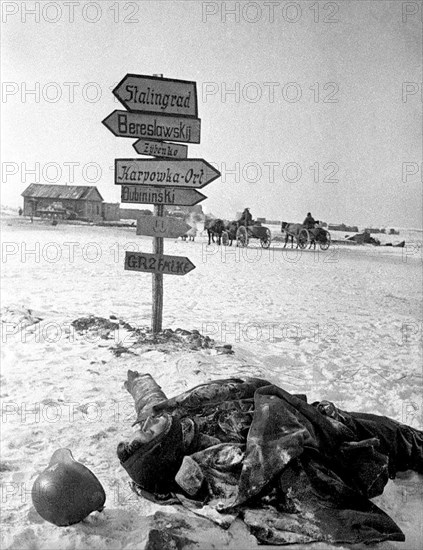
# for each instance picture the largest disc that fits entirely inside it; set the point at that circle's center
(161, 149)
(159, 109)
(154, 226)
(173, 196)
(157, 263)
(191, 173)
(151, 126)
(155, 94)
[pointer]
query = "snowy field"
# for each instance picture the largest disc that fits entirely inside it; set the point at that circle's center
(343, 325)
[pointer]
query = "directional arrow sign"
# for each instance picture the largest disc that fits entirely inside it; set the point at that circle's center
(158, 263)
(147, 194)
(161, 149)
(144, 125)
(151, 94)
(157, 226)
(193, 173)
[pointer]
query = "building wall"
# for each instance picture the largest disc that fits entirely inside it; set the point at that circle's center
(111, 211)
(197, 209)
(90, 210)
(93, 210)
(27, 207)
(132, 213)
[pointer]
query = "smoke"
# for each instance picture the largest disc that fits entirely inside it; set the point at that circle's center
(196, 225)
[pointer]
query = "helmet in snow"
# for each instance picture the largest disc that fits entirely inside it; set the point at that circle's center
(66, 492)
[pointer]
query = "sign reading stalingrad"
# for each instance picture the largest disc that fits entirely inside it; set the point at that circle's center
(191, 173)
(152, 94)
(144, 125)
(161, 149)
(158, 263)
(147, 194)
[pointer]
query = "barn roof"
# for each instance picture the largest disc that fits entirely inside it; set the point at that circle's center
(75, 192)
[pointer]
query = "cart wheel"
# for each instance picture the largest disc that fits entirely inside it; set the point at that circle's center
(241, 236)
(324, 245)
(225, 238)
(265, 241)
(303, 238)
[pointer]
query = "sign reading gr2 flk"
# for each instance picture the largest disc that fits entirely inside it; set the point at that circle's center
(158, 263)
(152, 94)
(192, 173)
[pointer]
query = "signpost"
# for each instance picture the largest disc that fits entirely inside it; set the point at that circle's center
(158, 263)
(161, 149)
(142, 194)
(155, 226)
(147, 125)
(154, 94)
(190, 173)
(159, 109)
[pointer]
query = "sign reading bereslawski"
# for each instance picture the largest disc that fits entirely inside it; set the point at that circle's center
(160, 127)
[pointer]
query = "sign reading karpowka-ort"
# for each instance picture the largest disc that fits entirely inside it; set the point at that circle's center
(153, 94)
(147, 194)
(151, 126)
(191, 173)
(161, 149)
(157, 263)
(158, 226)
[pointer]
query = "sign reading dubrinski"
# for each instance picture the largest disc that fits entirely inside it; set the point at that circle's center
(144, 125)
(152, 94)
(191, 173)
(146, 194)
(158, 263)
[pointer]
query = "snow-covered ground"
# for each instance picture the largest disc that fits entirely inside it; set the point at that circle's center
(343, 325)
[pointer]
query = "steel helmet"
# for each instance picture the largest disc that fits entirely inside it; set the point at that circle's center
(67, 491)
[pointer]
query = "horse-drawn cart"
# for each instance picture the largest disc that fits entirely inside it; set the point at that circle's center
(227, 232)
(245, 233)
(312, 236)
(304, 236)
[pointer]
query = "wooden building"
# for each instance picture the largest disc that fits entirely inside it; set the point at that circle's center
(111, 211)
(134, 213)
(68, 201)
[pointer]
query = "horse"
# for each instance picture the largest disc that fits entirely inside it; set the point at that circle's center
(291, 230)
(215, 227)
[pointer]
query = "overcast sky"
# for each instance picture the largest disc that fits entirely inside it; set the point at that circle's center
(326, 116)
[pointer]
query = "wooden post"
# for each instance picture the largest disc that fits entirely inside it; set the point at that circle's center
(157, 313)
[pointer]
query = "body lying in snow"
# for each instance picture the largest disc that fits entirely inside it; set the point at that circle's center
(241, 446)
